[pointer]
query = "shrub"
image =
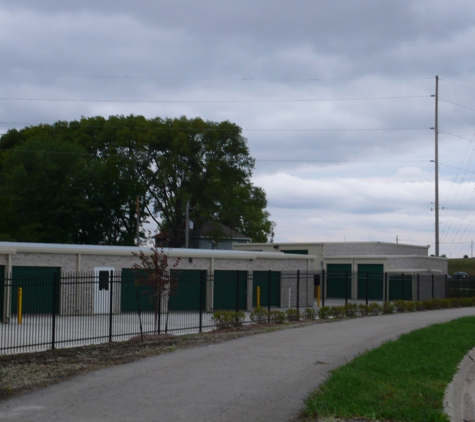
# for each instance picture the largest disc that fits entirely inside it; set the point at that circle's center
(226, 319)
(375, 308)
(419, 306)
(409, 306)
(466, 301)
(337, 311)
(259, 315)
(310, 314)
(364, 309)
(277, 316)
(388, 308)
(399, 306)
(456, 303)
(350, 309)
(292, 314)
(428, 304)
(324, 312)
(445, 303)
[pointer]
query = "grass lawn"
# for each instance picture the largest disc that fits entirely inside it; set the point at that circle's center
(402, 380)
(461, 264)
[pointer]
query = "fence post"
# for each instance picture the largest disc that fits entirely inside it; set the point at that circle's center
(111, 301)
(386, 287)
(346, 287)
(367, 287)
(53, 331)
(402, 286)
(322, 283)
(268, 296)
(432, 286)
(418, 286)
(446, 287)
(201, 299)
(237, 291)
(159, 310)
(298, 289)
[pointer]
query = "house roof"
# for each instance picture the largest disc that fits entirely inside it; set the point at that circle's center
(209, 229)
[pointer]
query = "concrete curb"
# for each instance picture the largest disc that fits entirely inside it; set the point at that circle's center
(459, 398)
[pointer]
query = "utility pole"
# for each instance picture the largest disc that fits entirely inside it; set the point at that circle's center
(436, 162)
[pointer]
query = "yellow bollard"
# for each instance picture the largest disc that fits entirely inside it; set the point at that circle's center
(258, 296)
(20, 304)
(319, 292)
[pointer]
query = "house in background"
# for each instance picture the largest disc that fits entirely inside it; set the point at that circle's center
(209, 235)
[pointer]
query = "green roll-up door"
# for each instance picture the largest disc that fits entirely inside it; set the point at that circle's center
(373, 274)
(2, 288)
(261, 279)
(132, 295)
(400, 287)
(186, 291)
(337, 274)
(228, 285)
(37, 284)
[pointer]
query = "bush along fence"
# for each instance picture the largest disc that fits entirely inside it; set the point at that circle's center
(44, 308)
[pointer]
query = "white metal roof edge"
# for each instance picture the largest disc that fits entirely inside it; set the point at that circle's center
(16, 247)
(297, 244)
(381, 257)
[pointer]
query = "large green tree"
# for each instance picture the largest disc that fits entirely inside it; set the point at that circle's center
(77, 182)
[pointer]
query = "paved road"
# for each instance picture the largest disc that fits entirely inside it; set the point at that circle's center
(258, 378)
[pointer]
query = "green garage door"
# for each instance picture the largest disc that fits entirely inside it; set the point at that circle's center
(2, 287)
(132, 295)
(186, 291)
(185, 294)
(336, 276)
(37, 284)
(400, 287)
(230, 289)
(374, 275)
(261, 279)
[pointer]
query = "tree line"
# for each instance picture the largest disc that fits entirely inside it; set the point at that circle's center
(78, 182)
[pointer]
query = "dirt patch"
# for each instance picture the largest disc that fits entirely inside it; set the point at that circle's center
(29, 371)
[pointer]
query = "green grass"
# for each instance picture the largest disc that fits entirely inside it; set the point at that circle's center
(465, 265)
(402, 380)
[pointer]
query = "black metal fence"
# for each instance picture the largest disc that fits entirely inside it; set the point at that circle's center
(52, 310)
(40, 310)
(393, 286)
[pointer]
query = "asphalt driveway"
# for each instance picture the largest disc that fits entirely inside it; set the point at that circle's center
(258, 378)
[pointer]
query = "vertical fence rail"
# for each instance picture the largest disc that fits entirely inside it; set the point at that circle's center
(54, 310)
(111, 301)
(323, 283)
(268, 295)
(298, 289)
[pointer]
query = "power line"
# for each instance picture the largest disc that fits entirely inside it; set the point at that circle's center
(208, 101)
(174, 78)
(256, 159)
(213, 129)
(455, 104)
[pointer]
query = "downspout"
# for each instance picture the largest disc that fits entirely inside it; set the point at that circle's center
(210, 285)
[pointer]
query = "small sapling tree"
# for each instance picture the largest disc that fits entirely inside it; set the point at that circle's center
(155, 274)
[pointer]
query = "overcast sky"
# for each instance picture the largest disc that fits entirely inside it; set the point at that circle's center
(334, 97)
